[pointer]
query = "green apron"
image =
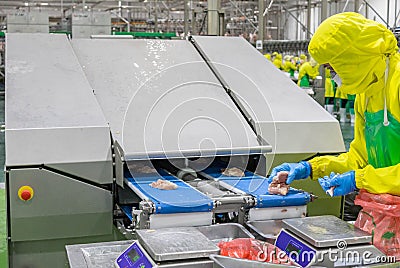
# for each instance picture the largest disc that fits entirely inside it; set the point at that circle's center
(383, 142)
(304, 81)
(382, 135)
(291, 72)
(351, 97)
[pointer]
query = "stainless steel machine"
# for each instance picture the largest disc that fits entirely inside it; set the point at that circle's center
(91, 123)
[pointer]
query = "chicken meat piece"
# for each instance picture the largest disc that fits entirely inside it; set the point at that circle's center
(236, 172)
(278, 185)
(281, 189)
(146, 169)
(163, 185)
(281, 177)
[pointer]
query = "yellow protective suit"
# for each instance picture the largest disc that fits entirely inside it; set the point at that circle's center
(340, 94)
(309, 70)
(278, 61)
(288, 65)
(267, 56)
(303, 59)
(329, 90)
(358, 49)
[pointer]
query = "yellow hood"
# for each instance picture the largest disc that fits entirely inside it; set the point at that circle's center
(356, 48)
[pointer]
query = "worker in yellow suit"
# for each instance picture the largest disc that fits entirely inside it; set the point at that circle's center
(296, 61)
(309, 70)
(332, 93)
(329, 91)
(288, 65)
(278, 61)
(343, 43)
(303, 59)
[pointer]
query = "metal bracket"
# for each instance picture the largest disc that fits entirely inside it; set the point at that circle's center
(145, 208)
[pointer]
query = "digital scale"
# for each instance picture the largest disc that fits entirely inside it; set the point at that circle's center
(134, 257)
(326, 241)
(168, 247)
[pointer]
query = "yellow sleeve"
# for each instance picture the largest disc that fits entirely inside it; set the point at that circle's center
(356, 158)
(379, 180)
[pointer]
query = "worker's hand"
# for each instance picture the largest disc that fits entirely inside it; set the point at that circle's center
(297, 171)
(343, 183)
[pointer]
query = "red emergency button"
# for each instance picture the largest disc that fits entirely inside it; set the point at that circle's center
(25, 193)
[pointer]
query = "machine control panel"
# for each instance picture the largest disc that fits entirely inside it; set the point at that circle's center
(134, 257)
(298, 251)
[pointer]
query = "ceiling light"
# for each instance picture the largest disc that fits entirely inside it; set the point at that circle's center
(44, 4)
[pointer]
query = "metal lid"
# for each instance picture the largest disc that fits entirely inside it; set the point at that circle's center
(327, 231)
(163, 101)
(176, 243)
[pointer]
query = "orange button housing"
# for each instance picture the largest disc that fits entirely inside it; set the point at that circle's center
(25, 193)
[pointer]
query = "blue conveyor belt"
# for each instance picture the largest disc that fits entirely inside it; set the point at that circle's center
(181, 200)
(257, 186)
(128, 211)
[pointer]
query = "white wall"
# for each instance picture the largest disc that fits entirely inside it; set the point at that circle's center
(294, 29)
(381, 8)
(294, 32)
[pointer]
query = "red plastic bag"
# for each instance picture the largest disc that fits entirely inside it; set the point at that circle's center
(380, 217)
(252, 249)
(237, 248)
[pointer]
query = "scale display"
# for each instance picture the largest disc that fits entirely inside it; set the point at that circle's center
(133, 257)
(297, 251)
(293, 247)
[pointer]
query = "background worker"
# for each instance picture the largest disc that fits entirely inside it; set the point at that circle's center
(296, 61)
(329, 91)
(267, 56)
(278, 61)
(303, 59)
(289, 66)
(309, 70)
(344, 42)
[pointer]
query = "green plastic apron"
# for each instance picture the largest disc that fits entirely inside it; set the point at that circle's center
(383, 142)
(382, 136)
(304, 81)
(291, 72)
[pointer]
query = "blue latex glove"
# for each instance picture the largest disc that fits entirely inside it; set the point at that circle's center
(344, 183)
(297, 171)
